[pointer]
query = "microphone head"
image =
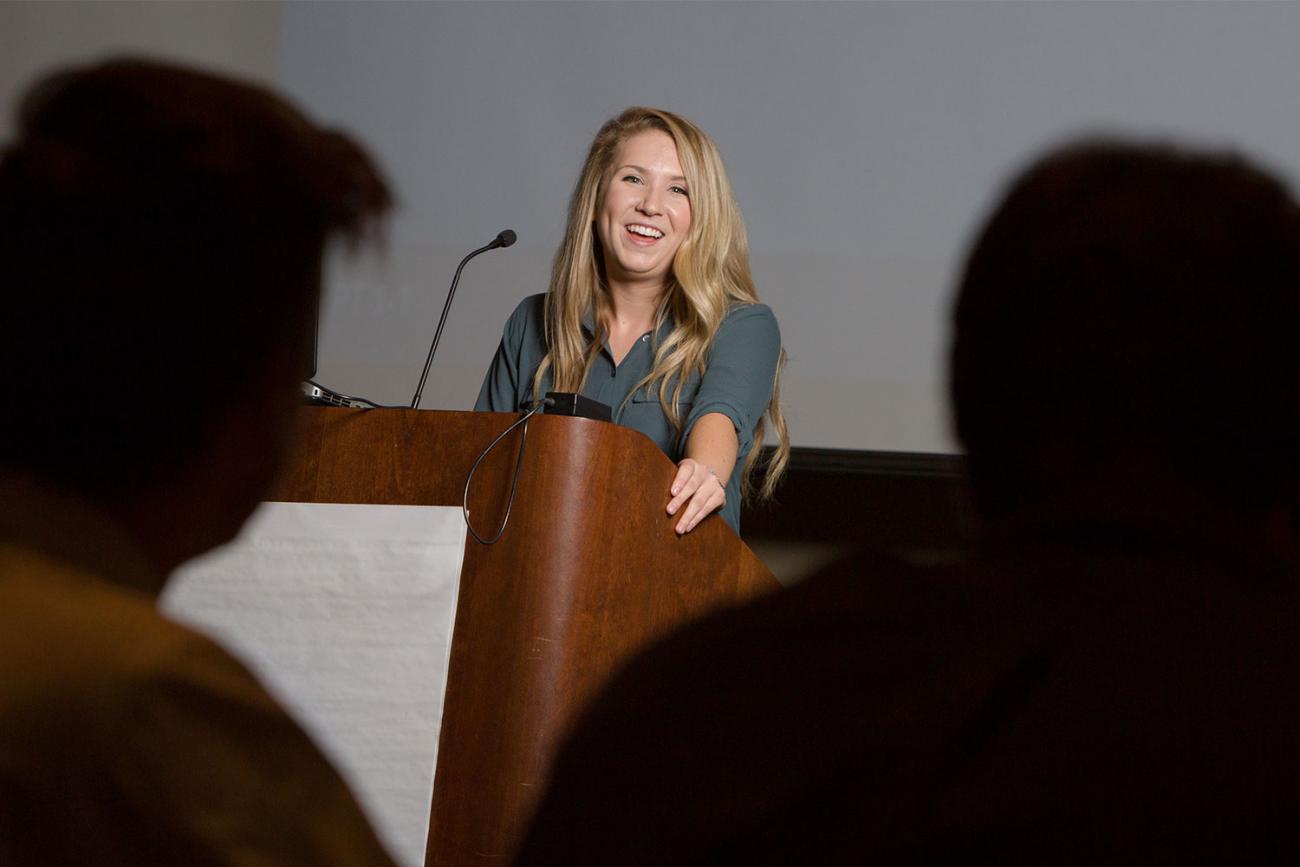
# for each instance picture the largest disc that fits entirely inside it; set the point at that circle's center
(505, 238)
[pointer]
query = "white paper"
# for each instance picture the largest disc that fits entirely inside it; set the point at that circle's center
(345, 613)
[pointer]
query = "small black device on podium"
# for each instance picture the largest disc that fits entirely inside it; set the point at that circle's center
(568, 403)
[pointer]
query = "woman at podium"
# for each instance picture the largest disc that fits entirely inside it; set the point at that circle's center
(652, 310)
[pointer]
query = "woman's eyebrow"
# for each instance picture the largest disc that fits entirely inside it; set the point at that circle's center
(646, 171)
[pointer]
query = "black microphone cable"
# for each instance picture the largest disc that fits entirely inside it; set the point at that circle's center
(514, 482)
(504, 238)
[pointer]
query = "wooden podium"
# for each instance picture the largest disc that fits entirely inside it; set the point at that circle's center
(587, 571)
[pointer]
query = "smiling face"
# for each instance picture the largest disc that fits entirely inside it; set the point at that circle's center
(645, 213)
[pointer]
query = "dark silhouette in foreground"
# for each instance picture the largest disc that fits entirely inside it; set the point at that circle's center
(161, 234)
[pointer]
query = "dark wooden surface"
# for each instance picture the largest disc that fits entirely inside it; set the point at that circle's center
(588, 570)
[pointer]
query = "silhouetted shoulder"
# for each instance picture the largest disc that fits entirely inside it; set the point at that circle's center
(753, 714)
(934, 715)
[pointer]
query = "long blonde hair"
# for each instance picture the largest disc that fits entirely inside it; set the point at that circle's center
(710, 274)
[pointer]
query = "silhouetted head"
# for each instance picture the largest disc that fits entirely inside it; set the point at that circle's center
(161, 235)
(1132, 299)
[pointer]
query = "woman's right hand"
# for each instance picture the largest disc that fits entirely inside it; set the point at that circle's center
(699, 490)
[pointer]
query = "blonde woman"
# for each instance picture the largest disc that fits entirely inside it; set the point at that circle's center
(652, 310)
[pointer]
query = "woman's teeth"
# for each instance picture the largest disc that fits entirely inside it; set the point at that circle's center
(645, 231)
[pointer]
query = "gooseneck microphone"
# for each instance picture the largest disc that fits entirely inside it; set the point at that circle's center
(504, 238)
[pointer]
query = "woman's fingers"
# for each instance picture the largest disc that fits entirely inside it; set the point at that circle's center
(690, 475)
(696, 488)
(708, 498)
(685, 470)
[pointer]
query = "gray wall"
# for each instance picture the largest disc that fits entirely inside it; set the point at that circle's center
(236, 38)
(863, 140)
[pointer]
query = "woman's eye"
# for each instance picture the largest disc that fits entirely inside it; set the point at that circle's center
(632, 179)
(681, 191)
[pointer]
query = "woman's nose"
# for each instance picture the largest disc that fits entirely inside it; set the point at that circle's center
(650, 202)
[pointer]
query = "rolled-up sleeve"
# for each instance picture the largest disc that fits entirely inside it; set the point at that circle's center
(741, 372)
(510, 375)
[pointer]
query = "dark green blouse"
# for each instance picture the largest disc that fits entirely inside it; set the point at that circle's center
(737, 382)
